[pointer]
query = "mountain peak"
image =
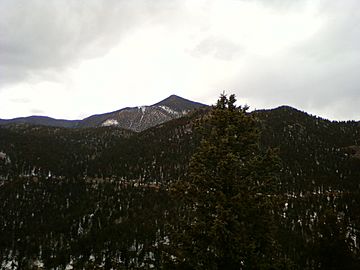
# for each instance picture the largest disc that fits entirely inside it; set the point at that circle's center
(178, 103)
(135, 119)
(172, 98)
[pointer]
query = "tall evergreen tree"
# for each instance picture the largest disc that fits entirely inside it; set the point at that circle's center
(226, 204)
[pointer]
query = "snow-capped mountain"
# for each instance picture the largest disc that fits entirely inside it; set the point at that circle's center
(144, 117)
(135, 118)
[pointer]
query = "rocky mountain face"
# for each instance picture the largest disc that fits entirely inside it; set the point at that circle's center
(135, 119)
(141, 118)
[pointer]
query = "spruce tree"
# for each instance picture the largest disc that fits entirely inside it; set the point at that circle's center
(225, 215)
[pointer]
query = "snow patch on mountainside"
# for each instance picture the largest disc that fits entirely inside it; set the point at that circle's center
(185, 112)
(110, 122)
(168, 110)
(142, 108)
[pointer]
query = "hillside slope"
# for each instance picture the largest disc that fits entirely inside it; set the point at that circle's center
(135, 119)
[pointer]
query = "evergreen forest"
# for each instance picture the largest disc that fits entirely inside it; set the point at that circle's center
(219, 188)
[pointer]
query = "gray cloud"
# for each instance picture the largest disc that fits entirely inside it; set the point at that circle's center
(37, 111)
(20, 100)
(217, 47)
(340, 34)
(37, 36)
(329, 88)
(280, 4)
(319, 75)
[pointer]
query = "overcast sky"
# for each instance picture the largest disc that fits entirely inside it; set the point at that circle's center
(72, 58)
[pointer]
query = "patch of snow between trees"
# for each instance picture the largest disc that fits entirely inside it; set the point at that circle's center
(169, 110)
(110, 122)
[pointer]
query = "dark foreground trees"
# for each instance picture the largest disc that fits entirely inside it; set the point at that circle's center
(227, 202)
(228, 212)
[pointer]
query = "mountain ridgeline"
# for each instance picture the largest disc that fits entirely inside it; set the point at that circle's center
(136, 118)
(95, 192)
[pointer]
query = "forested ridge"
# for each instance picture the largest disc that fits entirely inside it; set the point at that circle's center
(99, 198)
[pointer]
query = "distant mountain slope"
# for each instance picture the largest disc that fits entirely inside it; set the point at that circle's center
(135, 119)
(61, 151)
(315, 151)
(144, 117)
(310, 147)
(41, 120)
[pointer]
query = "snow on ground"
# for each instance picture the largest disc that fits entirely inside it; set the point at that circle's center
(2, 155)
(167, 109)
(142, 108)
(110, 122)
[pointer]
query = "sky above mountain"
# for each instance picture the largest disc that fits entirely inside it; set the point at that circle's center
(71, 58)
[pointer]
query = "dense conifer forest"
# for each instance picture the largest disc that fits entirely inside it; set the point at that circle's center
(108, 198)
